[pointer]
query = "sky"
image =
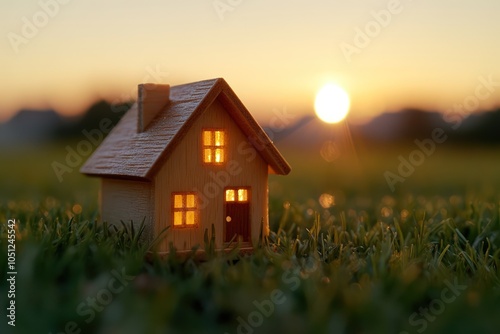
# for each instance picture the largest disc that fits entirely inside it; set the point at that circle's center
(276, 55)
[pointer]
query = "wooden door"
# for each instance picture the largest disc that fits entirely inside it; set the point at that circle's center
(237, 214)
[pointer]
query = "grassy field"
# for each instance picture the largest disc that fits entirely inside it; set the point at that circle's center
(346, 254)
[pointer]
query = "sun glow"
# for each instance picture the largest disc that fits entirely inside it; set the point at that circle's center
(332, 104)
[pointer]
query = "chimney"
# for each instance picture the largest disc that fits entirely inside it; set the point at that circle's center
(152, 99)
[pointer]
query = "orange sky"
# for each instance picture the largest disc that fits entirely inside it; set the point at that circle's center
(386, 54)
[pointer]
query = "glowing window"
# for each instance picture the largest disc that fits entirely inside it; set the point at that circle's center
(242, 195)
(214, 143)
(237, 195)
(184, 209)
(230, 195)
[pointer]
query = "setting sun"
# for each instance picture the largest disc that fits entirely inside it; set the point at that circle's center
(332, 104)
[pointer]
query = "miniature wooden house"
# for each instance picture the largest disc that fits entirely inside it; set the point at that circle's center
(187, 157)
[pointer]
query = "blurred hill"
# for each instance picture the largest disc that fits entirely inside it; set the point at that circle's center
(29, 127)
(90, 120)
(395, 128)
(32, 127)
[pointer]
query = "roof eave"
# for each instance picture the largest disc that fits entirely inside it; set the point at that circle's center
(117, 176)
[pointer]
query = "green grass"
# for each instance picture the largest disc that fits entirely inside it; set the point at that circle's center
(365, 264)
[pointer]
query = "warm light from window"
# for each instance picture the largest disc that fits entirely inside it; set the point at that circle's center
(189, 217)
(242, 195)
(213, 146)
(230, 195)
(219, 138)
(190, 201)
(207, 138)
(178, 201)
(218, 155)
(207, 155)
(237, 195)
(184, 209)
(178, 218)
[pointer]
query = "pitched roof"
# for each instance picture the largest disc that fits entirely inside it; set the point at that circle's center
(126, 153)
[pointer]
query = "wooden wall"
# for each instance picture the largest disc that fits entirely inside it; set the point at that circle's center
(128, 200)
(183, 170)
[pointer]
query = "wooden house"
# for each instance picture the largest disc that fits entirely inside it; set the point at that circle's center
(187, 157)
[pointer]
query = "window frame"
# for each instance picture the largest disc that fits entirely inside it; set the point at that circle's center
(184, 209)
(213, 148)
(236, 195)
